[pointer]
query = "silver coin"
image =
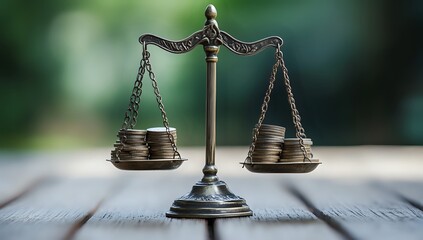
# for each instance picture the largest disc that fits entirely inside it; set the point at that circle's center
(269, 145)
(132, 151)
(132, 154)
(266, 153)
(264, 161)
(291, 160)
(166, 148)
(133, 159)
(135, 146)
(266, 158)
(293, 141)
(162, 143)
(163, 135)
(160, 129)
(134, 137)
(271, 126)
(267, 149)
(159, 140)
(294, 154)
(160, 146)
(271, 133)
(133, 131)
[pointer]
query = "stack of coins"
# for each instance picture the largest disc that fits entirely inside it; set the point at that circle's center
(131, 145)
(269, 144)
(160, 144)
(292, 150)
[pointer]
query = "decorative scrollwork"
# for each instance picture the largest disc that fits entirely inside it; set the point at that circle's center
(182, 46)
(248, 49)
(211, 198)
(212, 34)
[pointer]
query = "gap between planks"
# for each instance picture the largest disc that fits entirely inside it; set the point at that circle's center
(28, 188)
(362, 209)
(410, 200)
(73, 230)
(80, 223)
(332, 223)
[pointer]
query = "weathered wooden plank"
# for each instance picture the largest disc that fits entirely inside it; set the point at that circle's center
(51, 210)
(138, 211)
(408, 191)
(17, 178)
(276, 213)
(365, 211)
(362, 210)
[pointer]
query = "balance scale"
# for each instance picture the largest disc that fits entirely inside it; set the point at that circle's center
(210, 197)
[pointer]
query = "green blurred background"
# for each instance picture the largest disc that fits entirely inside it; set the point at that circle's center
(67, 70)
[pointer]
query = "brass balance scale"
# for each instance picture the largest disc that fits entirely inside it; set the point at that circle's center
(155, 148)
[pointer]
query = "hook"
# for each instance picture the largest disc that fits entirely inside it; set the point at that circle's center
(279, 53)
(145, 52)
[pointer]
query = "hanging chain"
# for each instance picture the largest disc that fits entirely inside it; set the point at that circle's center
(264, 108)
(300, 132)
(160, 103)
(131, 114)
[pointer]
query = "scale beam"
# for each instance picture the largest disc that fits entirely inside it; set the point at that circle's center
(211, 35)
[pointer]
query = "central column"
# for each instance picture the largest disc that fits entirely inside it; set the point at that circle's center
(210, 169)
(210, 198)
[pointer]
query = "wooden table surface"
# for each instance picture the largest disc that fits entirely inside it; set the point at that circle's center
(365, 192)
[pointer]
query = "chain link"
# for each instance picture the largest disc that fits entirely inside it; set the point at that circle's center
(300, 132)
(131, 114)
(160, 103)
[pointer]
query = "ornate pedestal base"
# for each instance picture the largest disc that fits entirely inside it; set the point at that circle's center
(209, 200)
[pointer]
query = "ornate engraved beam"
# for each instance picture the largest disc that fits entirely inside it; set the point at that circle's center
(211, 34)
(178, 47)
(251, 48)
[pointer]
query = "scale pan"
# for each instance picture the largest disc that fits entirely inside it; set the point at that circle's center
(152, 164)
(283, 167)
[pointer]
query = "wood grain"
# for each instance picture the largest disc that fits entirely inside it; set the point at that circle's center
(18, 176)
(138, 211)
(84, 197)
(50, 211)
(408, 191)
(364, 211)
(276, 213)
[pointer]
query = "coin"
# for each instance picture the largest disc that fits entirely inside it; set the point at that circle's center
(295, 141)
(292, 151)
(131, 145)
(160, 142)
(268, 146)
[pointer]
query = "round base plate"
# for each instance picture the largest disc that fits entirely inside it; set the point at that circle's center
(151, 164)
(283, 167)
(209, 200)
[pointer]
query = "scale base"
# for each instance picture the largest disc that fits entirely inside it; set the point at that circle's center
(209, 200)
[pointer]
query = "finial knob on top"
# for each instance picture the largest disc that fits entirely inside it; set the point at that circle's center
(211, 14)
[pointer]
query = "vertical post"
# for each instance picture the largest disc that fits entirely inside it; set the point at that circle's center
(210, 197)
(209, 169)
(211, 49)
